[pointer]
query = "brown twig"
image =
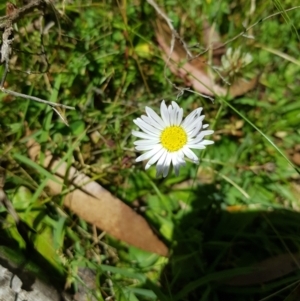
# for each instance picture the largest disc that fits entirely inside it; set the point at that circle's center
(18, 13)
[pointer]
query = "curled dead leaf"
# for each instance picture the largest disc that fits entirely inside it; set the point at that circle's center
(195, 71)
(96, 205)
(268, 270)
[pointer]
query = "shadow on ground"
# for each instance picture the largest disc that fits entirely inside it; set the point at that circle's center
(233, 254)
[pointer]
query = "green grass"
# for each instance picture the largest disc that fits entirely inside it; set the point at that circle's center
(239, 207)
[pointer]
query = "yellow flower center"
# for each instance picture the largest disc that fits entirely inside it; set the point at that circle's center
(173, 138)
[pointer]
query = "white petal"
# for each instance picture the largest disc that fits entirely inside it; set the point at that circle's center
(195, 131)
(196, 146)
(207, 132)
(140, 134)
(145, 147)
(167, 165)
(137, 122)
(202, 134)
(155, 158)
(191, 116)
(160, 164)
(176, 168)
(175, 105)
(207, 142)
(180, 155)
(195, 123)
(181, 161)
(155, 117)
(171, 115)
(152, 122)
(164, 113)
(190, 154)
(179, 116)
(149, 154)
(200, 137)
(147, 142)
(176, 112)
(177, 163)
(205, 126)
(147, 128)
(188, 118)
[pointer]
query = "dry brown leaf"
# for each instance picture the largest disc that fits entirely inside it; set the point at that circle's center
(296, 158)
(295, 189)
(268, 270)
(194, 72)
(96, 205)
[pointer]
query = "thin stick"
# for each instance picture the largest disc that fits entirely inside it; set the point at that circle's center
(52, 104)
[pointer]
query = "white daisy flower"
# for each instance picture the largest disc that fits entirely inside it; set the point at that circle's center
(168, 139)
